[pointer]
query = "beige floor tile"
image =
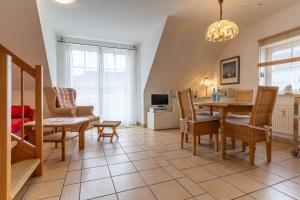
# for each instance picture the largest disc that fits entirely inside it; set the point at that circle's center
(290, 188)
(122, 168)
(281, 171)
(201, 161)
(293, 163)
(155, 176)
(117, 159)
(244, 183)
(175, 173)
(113, 152)
(296, 180)
(190, 186)
(199, 174)
(263, 176)
(145, 164)
(183, 163)
(51, 175)
(95, 173)
(131, 149)
(221, 190)
(43, 190)
(246, 197)
(137, 194)
(162, 162)
(73, 177)
(204, 197)
(97, 188)
(169, 191)
(108, 197)
(270, 194)
(93, 154)
(70, 192)
(50, 164)
(219, 169)
(75, 165)
(128, 182)
(137, 156)
(93, 162)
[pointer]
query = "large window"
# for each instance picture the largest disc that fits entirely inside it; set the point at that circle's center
(284, 74)
(102, 77)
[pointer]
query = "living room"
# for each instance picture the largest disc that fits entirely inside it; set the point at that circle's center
(108, 99)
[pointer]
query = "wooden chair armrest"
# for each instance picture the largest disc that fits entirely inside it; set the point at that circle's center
(65, 112)
(85, 110)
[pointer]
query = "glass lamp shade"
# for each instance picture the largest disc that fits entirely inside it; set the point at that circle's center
(221, 31)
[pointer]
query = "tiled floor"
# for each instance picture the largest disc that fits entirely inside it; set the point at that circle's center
(148, 165)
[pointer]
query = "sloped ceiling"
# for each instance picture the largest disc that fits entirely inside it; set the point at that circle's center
(128, 21)
(21, 33)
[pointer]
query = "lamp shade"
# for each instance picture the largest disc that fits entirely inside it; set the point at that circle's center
(65, 1)
(221, 31)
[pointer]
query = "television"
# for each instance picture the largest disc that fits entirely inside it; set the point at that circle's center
(159, 99)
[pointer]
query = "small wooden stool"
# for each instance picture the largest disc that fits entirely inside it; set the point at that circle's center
(108, 124)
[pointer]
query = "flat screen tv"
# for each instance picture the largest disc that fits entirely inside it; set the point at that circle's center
(159, 99)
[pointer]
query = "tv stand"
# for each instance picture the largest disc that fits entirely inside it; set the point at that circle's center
(162, 120)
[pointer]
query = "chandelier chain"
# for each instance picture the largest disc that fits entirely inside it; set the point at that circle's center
(221, 9)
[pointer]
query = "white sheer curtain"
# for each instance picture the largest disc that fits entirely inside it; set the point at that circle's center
(103, 77)
(118, 82)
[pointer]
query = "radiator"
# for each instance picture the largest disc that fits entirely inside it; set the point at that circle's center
(283, 119)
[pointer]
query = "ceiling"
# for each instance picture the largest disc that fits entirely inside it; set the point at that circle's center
(128, 21)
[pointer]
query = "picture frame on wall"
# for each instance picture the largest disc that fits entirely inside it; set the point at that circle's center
(230, 71)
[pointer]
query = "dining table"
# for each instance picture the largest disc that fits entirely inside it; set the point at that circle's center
(225, 107)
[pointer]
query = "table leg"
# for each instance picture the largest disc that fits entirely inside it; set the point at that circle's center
(223, 134)
(100, 133)
(81, 134)
(114, 134)
(63, 144)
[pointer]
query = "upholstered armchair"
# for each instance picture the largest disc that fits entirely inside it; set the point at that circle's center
(62, 103)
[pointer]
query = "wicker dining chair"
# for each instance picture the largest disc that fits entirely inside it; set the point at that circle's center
(192, 124)
(258, 127)
(243, 95)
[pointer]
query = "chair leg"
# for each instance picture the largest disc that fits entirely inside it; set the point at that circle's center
(233, 142)
(56, 145)
(194, 144)
(182, 139)
(199, 140)
(217, 142)
(186, 138)
(252, 153)
(243, 146)
(211, 137)
(269, 150)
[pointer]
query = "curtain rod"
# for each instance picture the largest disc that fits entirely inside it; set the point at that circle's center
(94, 45)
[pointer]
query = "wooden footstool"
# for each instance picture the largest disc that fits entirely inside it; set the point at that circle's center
(108, 124)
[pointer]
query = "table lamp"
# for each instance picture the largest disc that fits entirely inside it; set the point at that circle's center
(207, 83)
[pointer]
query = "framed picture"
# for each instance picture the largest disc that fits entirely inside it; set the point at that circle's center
(230, 71)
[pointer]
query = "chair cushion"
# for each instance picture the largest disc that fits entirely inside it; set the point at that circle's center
(232, 115)
(16, 111)
(16, 124)
(65, 97)
(203, 118)
(238, 121)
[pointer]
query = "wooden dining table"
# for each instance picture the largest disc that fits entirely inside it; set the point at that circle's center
(224, 108)
(62, 124)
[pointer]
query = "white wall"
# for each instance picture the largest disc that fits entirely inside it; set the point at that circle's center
(246, 44)
(146, 52)
(49, 37)
(182, 60)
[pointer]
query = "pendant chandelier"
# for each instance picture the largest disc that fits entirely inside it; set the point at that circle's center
(221, 30)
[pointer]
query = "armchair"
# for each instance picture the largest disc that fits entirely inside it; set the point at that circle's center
(62, 103)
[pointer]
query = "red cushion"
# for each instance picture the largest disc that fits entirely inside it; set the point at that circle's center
(16, 111)
(16, 124)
